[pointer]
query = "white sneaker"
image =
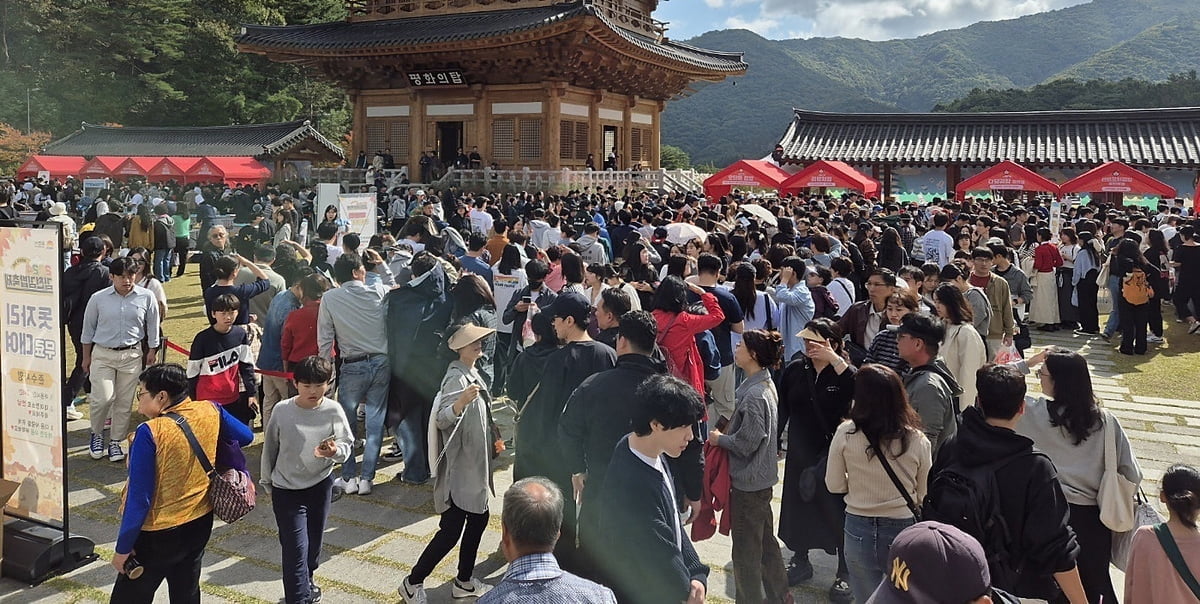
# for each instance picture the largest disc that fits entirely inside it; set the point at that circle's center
(364, 486)
(1154, 339)
(347, 486)
(413, 594)
(73, 413)
(471, 589)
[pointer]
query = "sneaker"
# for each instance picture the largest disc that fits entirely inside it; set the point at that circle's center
(96, 447)
(364, 486)
(115, 452)
(348, 487)
(1106, 336)
(1153, 339)
(79, 400)
(471, 589)
(840, 592)
(413, 594)
(1081, 332)
(73, 413)
(799, 571)
(314, 593)
(1195, 327)
(393, 453)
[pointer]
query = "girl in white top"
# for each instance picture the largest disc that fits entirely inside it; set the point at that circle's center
(759, 310)
(962, 349)
(507, 279)
(593, 281)
(146, 279)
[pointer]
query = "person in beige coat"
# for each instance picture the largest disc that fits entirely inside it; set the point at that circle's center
(962, 349)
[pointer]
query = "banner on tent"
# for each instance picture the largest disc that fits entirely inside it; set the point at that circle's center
(31, 371)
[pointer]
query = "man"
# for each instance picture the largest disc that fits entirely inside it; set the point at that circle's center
(327, 234)
(797, 304)
(614, 304)
(118, 323)
(529, 529)
(566, 368)
(351, 316)
(536, 294)
(592, 248)
(264, 257)
(270, 353)
(935, 562)
(78, 284)
(1117, 228)
(254, 234)
(708, 267)
(481, 219)
(1016, 230)
(213, 249)
(476, 159)
(473, 261)
(864, 320)
(498, 241)
(931, 387)
(645, 555)
(999, 296)
(939, 245)
(1040, 547)
(598, 414)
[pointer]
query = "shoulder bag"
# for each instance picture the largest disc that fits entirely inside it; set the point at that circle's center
(1176, 557)
(1122, 543)
(231, 492)
(887, 467)
(1116, 495)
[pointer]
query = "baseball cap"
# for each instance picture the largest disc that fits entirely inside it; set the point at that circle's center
(931, 562)
(570, 304)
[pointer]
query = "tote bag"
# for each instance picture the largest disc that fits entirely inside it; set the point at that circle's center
(1116, 496)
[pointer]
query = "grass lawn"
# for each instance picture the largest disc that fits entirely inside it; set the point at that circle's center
(1168, 370)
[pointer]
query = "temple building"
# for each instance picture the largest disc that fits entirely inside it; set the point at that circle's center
(538, 84)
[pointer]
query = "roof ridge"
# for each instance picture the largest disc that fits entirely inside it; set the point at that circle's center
(1009, 116)
(294, 124)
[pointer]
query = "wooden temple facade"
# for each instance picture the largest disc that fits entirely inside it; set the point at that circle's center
(536, 84)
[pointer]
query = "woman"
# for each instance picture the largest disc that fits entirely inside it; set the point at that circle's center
(572, 271)
(183, 232)
(613, 280)
(820, 250)
(1025, 247)
(759, 309)
(1068, 247)
(752, 439)
(1186, 261)
(508, 278)
(1134, 318)
(963, 243)
(882, 428)
(462, 464)
(958, 273)
(139, 228)
(962, 348)
(1085, 289)
(815, 391)
(527, 367)
(1158, 254)
(595, 281)
(166, 516)
(474, 304)
(891, 252)
(1150, 576)
(332, 217)
(1068, 425)
(283, 228)
(639, 272)
(885, 349)
(842, 288)
(147, 280)
(1046, 260)
(677, 328)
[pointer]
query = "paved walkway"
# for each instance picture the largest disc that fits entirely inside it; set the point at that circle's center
(373, 541)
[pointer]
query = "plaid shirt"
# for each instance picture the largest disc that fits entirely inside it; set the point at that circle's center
(537, 579)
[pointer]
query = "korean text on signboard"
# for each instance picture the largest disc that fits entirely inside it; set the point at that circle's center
(436, 77)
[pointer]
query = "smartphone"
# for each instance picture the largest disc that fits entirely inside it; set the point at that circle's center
(527, 299)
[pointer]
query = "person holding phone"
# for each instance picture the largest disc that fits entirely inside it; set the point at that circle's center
(306, 435)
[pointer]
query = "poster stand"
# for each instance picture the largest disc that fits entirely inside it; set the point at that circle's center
(36, 548)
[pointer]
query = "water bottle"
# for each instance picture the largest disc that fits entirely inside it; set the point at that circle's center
(302, 236)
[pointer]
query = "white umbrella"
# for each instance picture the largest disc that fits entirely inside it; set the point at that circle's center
(760, 213)
(681, 232)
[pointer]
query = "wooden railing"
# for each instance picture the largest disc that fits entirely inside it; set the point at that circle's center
(553, 181)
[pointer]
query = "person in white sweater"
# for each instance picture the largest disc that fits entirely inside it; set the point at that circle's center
(962, 349)
(877, 507)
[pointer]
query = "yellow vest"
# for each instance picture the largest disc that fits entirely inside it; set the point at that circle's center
(180, 485)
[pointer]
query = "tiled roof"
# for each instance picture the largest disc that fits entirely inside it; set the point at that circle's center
(351, 38)
(1142, 137)
(254, 140)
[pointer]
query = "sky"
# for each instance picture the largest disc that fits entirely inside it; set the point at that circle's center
(868, 19)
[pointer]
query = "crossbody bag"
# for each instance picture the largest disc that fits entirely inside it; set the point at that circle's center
(231, 492)
(887, 467)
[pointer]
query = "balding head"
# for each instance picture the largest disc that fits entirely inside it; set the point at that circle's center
(533, 514)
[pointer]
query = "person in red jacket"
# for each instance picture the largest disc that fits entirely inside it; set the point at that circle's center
(1046, 260)
(299, 338)
(677, 328)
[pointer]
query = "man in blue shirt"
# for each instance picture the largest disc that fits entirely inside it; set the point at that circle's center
(709, 268)
(473, 261)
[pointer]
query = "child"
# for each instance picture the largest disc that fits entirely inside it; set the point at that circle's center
(818, 279)
(306, 435)
(221, 365)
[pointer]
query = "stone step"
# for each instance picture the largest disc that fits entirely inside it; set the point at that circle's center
(1161, 410)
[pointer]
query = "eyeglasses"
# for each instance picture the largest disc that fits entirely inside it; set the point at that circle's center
(876, 284)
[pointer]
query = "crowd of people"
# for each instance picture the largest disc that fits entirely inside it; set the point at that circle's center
(662, 353)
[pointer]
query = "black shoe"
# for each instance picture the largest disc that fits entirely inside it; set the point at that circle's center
(799, 571)
(393, 454)
(840, 592)
(314, 593)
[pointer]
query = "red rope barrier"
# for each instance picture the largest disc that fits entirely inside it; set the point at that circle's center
(187, 353)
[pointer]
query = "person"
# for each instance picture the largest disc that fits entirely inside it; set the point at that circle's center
(472, 302)
(351, 316)
(961, 349)
(1036, 555)
(508, 278)
(215, 248)
(225, 273)
(1085, 289)
(1001, 327)
(1127, 261)
(815, 390)
(1186, 261)
(864, 319)
(264, 257)
(796, 305)
(164, 242)
(473, 261)
(1046, 260)
(934, 562)
(646, 557)
(529, 528)
(1068, 248)
(882, 429)
(931, 387)
(306, 436)
(270, 356)
(1150, 575)
(594, 282)
(145, 278)
(957, 274)
(613, 304)
(528, 366)
(884, 349)
(120, 336)
(181, 223)
(139, 228)
(58, 213)
(221, 365)
(677, 328)
(939, 245)
(78, 284)
(166, 516)
(1117, 234)
(752, 439)
(536, 297)
(1068, 424)
(579, 358)
(462, 468)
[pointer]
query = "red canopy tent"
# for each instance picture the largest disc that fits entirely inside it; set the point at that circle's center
(830, 175)
(59, 166)
(745, 174)
(101, 166)
(1116, 177)
(172, 168)
(1006, 176)
(135, 166)
(239, 169)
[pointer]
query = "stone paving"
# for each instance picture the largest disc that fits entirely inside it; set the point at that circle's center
(373, 541)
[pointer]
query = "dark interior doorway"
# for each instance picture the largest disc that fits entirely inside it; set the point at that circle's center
(611, 138)
(449, 140)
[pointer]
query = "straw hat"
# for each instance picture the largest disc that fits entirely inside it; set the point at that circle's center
(58, 208)
(809, 333)
(467, 334)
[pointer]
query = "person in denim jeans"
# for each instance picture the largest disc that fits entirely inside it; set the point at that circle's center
(876, 509)
(352, 317)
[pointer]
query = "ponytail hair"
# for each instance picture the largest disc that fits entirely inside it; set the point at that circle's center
(1181, 490)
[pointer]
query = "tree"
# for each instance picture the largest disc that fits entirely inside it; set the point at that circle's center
(16, 147)
(674, 158)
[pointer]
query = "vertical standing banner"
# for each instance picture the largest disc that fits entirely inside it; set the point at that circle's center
(359, 209)
(31, 371)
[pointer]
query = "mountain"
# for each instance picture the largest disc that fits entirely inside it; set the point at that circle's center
(1105, 39)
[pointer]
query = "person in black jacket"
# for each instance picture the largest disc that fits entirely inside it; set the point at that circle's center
(78, 284)
(599, 413)
(645, 554)
(535, 294)
(1042, 548)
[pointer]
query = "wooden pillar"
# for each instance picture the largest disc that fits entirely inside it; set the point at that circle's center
(358, 132)
(655, 162)
(416, 134)
(887, 182)
(953, 177)
(552, 113)
(626, 142)
(483, 117)
(595, 131)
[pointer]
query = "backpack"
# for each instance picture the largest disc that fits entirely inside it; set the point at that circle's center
(710, 357)
(826, 306)
(1135, 288)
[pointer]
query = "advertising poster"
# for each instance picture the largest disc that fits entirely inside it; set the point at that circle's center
(31, 366)
(359, 209)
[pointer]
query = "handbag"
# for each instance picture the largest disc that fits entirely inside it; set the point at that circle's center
(887, 467)
(812, 478)
(1145, 515)
(231, 492)
(1172, 549)
(1116, 496)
